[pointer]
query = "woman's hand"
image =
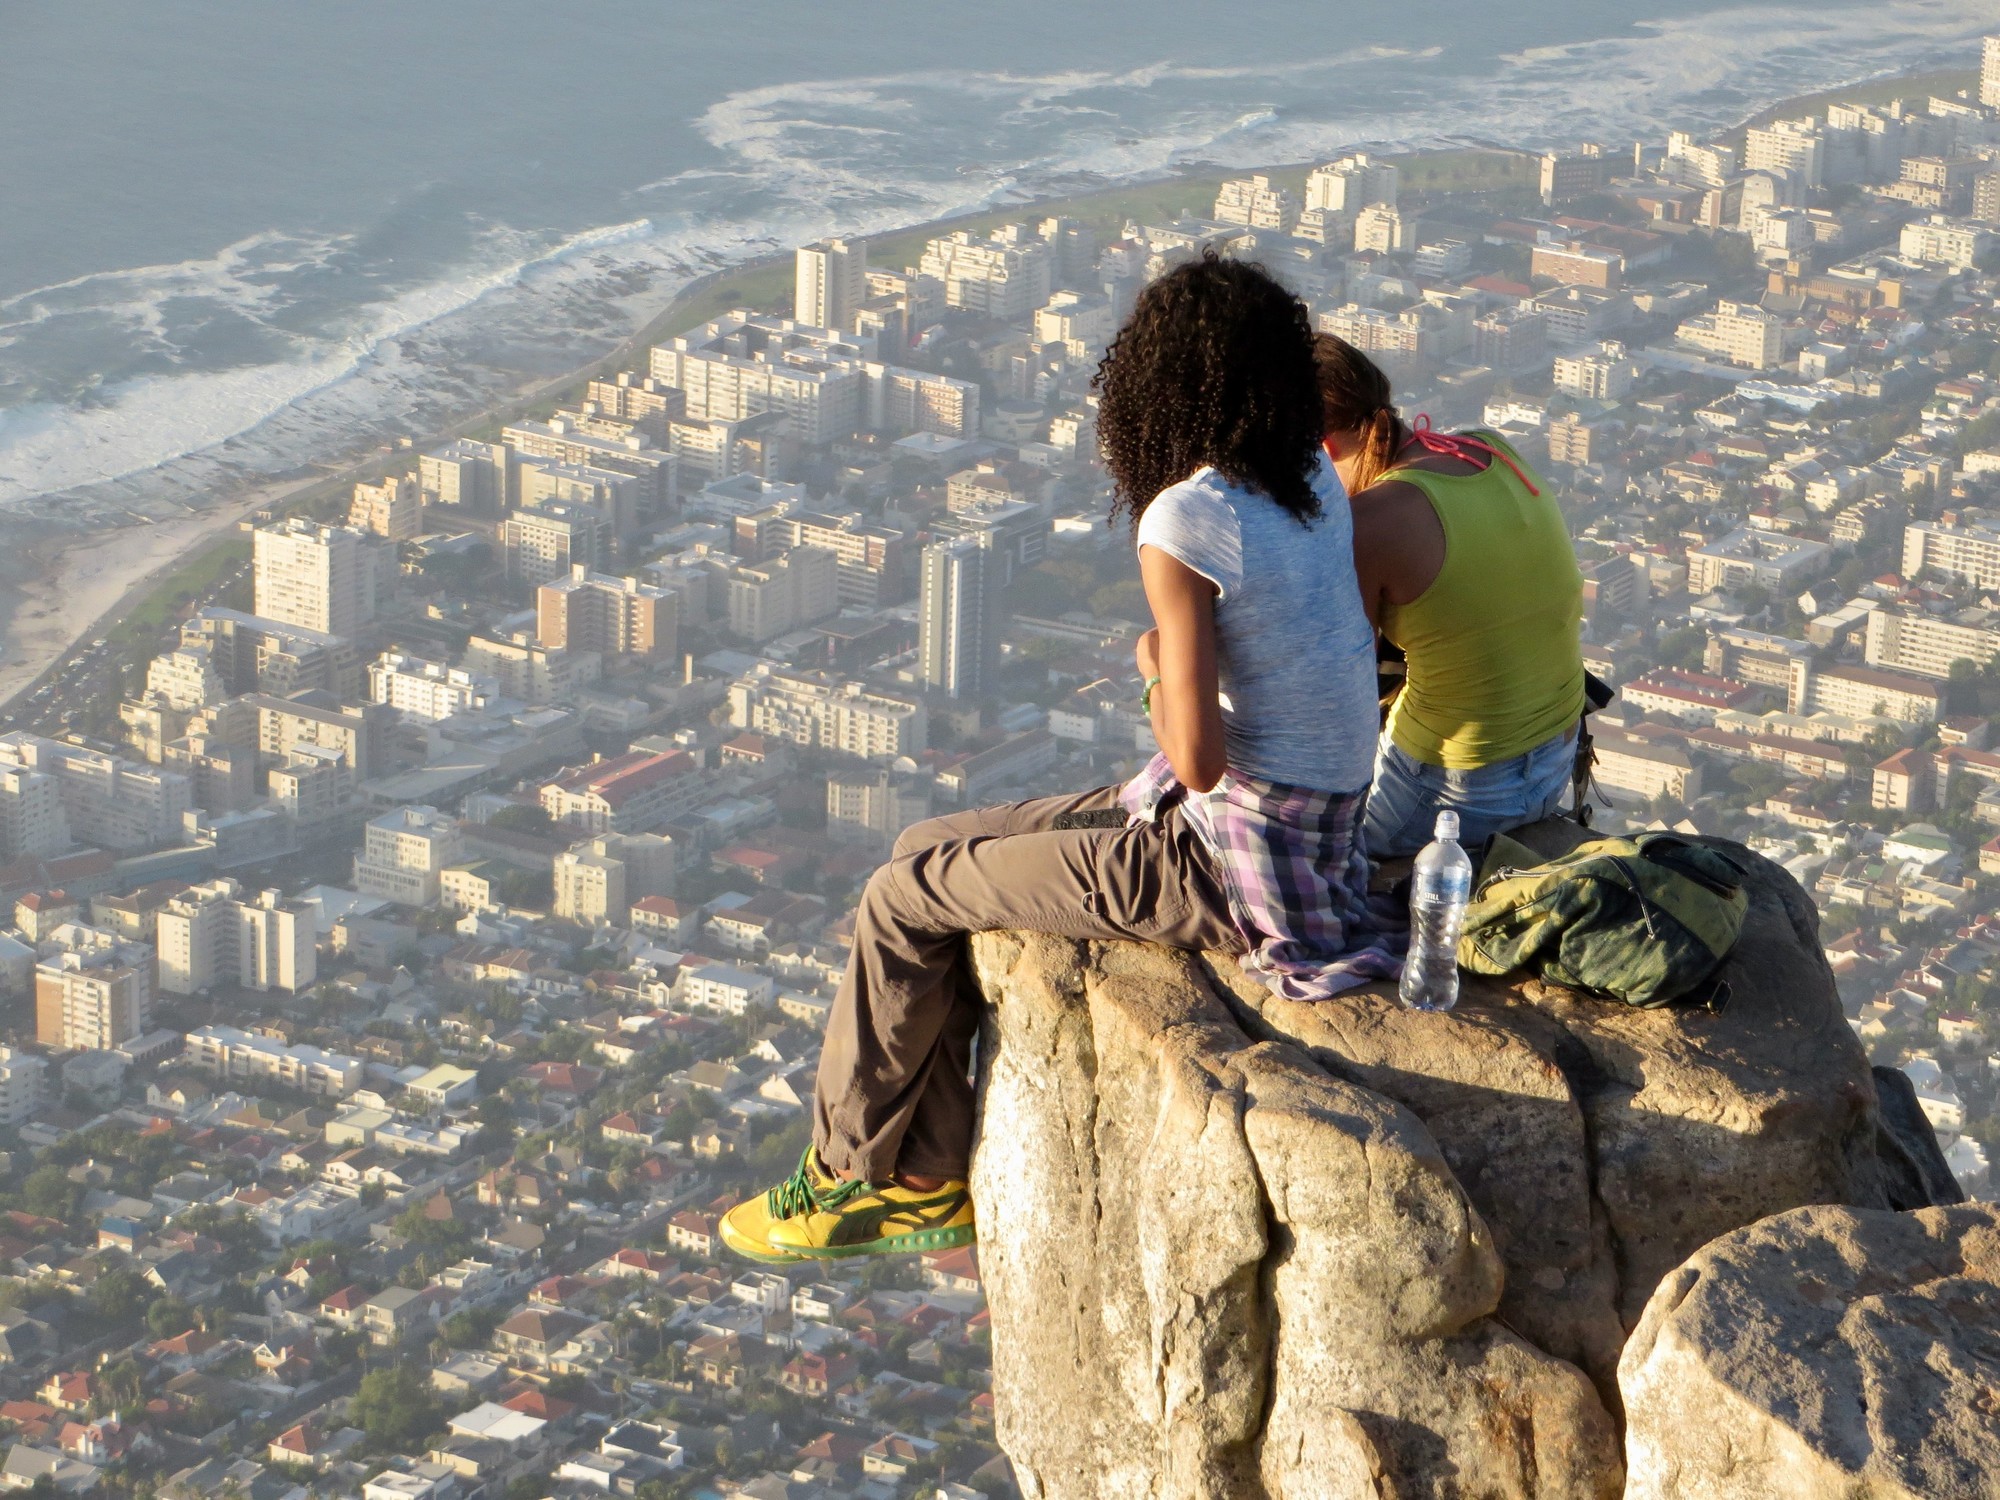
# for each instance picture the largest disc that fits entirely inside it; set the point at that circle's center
(1148, 652)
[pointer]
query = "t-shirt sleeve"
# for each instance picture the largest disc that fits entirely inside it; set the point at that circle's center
(1192, 523)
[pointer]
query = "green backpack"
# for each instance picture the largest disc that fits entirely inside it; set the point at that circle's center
(1645, 920)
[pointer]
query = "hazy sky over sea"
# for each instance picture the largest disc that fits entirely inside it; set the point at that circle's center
(237, 234)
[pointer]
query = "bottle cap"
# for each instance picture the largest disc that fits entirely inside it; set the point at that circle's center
(1447, 825)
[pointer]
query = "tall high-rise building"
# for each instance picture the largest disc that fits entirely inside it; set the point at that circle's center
(195, 933)
(1989, 73)
(957, 639)
(275, 943)
(213, 933)
(322, 577)
(830, 283)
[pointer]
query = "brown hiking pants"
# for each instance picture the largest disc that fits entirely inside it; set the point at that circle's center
(894, 1089)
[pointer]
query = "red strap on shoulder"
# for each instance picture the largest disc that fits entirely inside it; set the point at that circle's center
(1459, 446)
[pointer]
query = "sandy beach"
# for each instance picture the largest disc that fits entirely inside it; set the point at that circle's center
(88, 582)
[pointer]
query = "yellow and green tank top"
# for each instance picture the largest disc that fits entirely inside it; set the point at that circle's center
(1495, 662)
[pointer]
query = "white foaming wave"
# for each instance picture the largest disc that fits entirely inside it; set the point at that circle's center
(136, 426)
(801, 175)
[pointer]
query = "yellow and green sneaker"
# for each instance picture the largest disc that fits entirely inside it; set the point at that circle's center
(875, 1218)
(746, 1228)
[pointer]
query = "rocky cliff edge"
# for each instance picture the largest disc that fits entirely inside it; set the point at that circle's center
(1242, 1247)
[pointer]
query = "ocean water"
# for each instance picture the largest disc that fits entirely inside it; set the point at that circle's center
(242, 237)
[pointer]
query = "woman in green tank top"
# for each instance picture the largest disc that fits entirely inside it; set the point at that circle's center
(1465, 563)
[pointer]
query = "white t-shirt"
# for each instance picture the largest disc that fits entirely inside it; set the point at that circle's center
(1295, 652)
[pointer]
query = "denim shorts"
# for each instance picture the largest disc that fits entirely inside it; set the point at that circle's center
(1408, 794)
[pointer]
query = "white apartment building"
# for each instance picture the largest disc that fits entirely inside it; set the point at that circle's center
(1256, 202)
(228, 1052)
(1606, 374)
(744, 364)
(1989, 72)
(1970, 554)
(1739, 332)
(196, 937)
(958, 618)
(1005, 276)
(403, 853)
(1384, 229)
(1349, 185)
(870, 557)
(324, 578)
(721, 988)
(1769, 559)
(599, 879)
(617, 500)
(1707, 164)
(427, 689)
(1795, 146)
(813, 708)
(600, 444)
(121, 805)
(1863, 692)
(1955, 244)
(872, 807)
(1081, 322)
(1643, 769)
(393, 509)
(769, 599)
(530, 670)
(1901, 639)
(185, 679)
(830, 282)
(546, 541)
(275, 943)
(32, 820)
(24, 1083)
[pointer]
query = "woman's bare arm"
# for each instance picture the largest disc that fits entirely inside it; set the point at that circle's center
(1398, 545)
(1180, 651)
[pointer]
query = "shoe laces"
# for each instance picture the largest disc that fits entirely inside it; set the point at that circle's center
(798, 1194)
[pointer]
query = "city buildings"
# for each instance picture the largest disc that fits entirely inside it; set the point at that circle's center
(958, 626)
(228, 1052)
(812, 708)
(618, 618)
(830, 283)
(323, 578)
(631, 793)
(393, 508)
(403, 853)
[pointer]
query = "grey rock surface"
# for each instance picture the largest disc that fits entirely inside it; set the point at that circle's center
(1823, 1354)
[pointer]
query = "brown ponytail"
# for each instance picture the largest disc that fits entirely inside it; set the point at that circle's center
(1357, 397)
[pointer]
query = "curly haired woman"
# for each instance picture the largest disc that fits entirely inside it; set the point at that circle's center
(1243, 833)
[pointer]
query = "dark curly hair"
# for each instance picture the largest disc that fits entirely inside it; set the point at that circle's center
(1215, 366)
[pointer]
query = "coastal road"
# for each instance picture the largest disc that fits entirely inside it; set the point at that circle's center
(82, 697)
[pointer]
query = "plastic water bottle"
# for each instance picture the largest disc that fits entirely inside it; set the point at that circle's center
(1439, 889)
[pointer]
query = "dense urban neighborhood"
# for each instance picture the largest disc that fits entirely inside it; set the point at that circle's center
(421, 939)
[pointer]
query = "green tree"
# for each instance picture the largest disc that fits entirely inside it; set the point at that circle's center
(168, 1316)
(118, 1295)
(49, 1192)
(395, 1407)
